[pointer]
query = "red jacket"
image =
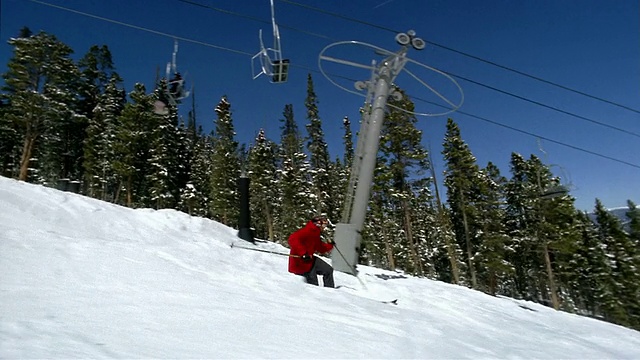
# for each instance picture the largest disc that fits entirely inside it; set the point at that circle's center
(305, 241)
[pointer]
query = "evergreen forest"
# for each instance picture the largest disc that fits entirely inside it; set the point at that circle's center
(70, 124)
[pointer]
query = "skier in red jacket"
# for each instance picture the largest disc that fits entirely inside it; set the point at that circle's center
(304, 244)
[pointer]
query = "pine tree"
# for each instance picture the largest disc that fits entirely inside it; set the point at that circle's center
(225, 162)
(100, 179)
(446, 252)
(519, 194)
(293, 179)
(166, 158)
(11, 133)
(9, 143)
(406, 162)
(195, 159)
(348, 143)
(131, 148)
(40, 85)
(623, 262)
(591, 283)
(380, 244)
(340, 177)
(321, 167)
(634, 238)
(96, 71)
(424, 222)
(198, 188)
(493, 269)
(262, 166)
(543, 231)
(634, 223)
(563, 236)
(461, 178)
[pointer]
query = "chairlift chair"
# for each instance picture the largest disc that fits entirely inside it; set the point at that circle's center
(559, 189)
(269, 61)
(174, 91)
(554, 191)
(175, 81)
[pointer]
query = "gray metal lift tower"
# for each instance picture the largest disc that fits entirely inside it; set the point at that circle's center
(379, 87)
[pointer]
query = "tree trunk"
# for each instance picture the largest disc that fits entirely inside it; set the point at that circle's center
(390, 260)
(455, 273)
(116, 196)
(268, 219)
(412, 246)
(27, 150)
(129, 192)
(472, 270)
(552, 283)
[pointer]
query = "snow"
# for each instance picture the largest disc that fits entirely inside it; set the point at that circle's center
(81, 278)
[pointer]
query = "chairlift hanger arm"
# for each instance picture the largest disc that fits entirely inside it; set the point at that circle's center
(277, 68)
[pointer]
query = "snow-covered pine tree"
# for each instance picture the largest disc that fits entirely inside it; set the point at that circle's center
(624, 268)
(492, 266)
(519, 192)
(446, 252)
(297, 196)
(131, 148)
(100, 178)
(395, 233)
(543, 231)
(406, 164)
(11, 131)
(40, 84)
(462, 175)
(321, 166)
(9, 142)
(195, 195)
(339, 179)
(225, 162)
(633, 214)
(60, 152)
(347, 159)
(556, 235)
(262, 166)
(191, 143)
(96, 69)
(166, 159)
(591, 286)
(96, 72)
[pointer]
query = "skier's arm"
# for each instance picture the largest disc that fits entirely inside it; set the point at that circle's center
(325, 247)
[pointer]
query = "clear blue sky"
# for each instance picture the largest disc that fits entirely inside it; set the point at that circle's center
(587, 45)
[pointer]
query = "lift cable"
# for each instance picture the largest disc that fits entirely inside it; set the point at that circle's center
(326, 12)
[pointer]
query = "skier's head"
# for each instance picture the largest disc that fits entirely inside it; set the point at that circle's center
(320, 221)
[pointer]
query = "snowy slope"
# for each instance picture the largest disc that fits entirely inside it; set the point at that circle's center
(81, 278)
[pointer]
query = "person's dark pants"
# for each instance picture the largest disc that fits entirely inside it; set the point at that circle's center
(320, 267)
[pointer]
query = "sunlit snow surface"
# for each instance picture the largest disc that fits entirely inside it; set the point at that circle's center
(81, 278)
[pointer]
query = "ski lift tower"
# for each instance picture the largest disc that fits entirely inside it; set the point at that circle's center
(378, 89)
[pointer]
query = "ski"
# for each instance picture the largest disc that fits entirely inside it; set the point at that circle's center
(392, 302)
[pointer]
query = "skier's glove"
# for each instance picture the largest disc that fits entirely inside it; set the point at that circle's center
(305, 258)
(330, 241)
